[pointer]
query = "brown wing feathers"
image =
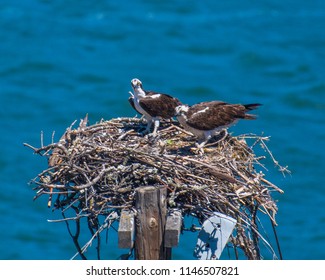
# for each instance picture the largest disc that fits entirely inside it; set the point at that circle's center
(210, 115)
(164, 106)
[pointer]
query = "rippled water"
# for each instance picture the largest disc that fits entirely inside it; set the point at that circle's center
(62, 60)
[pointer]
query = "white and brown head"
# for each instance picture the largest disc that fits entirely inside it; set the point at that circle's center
(136, 84)
(137, 88)
(181, 110)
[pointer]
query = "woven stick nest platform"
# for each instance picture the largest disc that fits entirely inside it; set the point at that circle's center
(94, 171)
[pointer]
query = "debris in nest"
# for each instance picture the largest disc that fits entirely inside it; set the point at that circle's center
(94, 170)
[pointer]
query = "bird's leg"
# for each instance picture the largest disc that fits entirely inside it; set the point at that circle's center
(199, 148)
(156, 125)
(200, 145)
(147, 130)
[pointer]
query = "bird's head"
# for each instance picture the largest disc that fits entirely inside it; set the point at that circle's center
(181, 109)
(136, 84)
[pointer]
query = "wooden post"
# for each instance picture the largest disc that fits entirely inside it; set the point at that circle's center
(126, 229)
(150, 223)
(173, 228)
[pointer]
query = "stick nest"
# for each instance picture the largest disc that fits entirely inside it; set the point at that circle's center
(95, 170)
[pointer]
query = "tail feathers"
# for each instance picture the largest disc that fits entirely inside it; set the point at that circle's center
(250, 117)
(250, 107)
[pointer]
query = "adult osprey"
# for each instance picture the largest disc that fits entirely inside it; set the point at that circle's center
(207, 119)
(154, 106)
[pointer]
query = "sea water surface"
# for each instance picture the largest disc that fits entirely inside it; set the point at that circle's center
(60, 60)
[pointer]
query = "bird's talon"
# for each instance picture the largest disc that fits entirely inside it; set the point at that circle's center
(198, 150)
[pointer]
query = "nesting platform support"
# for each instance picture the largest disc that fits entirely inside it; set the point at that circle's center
(150, 223)
(126, 229)
(173, 228)
(152, 231)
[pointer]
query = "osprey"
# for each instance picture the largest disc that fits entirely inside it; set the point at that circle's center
(207, 119)
(154, 106)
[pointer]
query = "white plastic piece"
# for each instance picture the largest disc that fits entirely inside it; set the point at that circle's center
(214, 236)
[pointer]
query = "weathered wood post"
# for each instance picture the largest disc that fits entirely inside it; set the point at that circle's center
(150, 223)
(126, 229)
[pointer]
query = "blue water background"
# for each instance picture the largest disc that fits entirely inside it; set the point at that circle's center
(62, 59)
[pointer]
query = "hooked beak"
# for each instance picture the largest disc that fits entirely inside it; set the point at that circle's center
(136, 83)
